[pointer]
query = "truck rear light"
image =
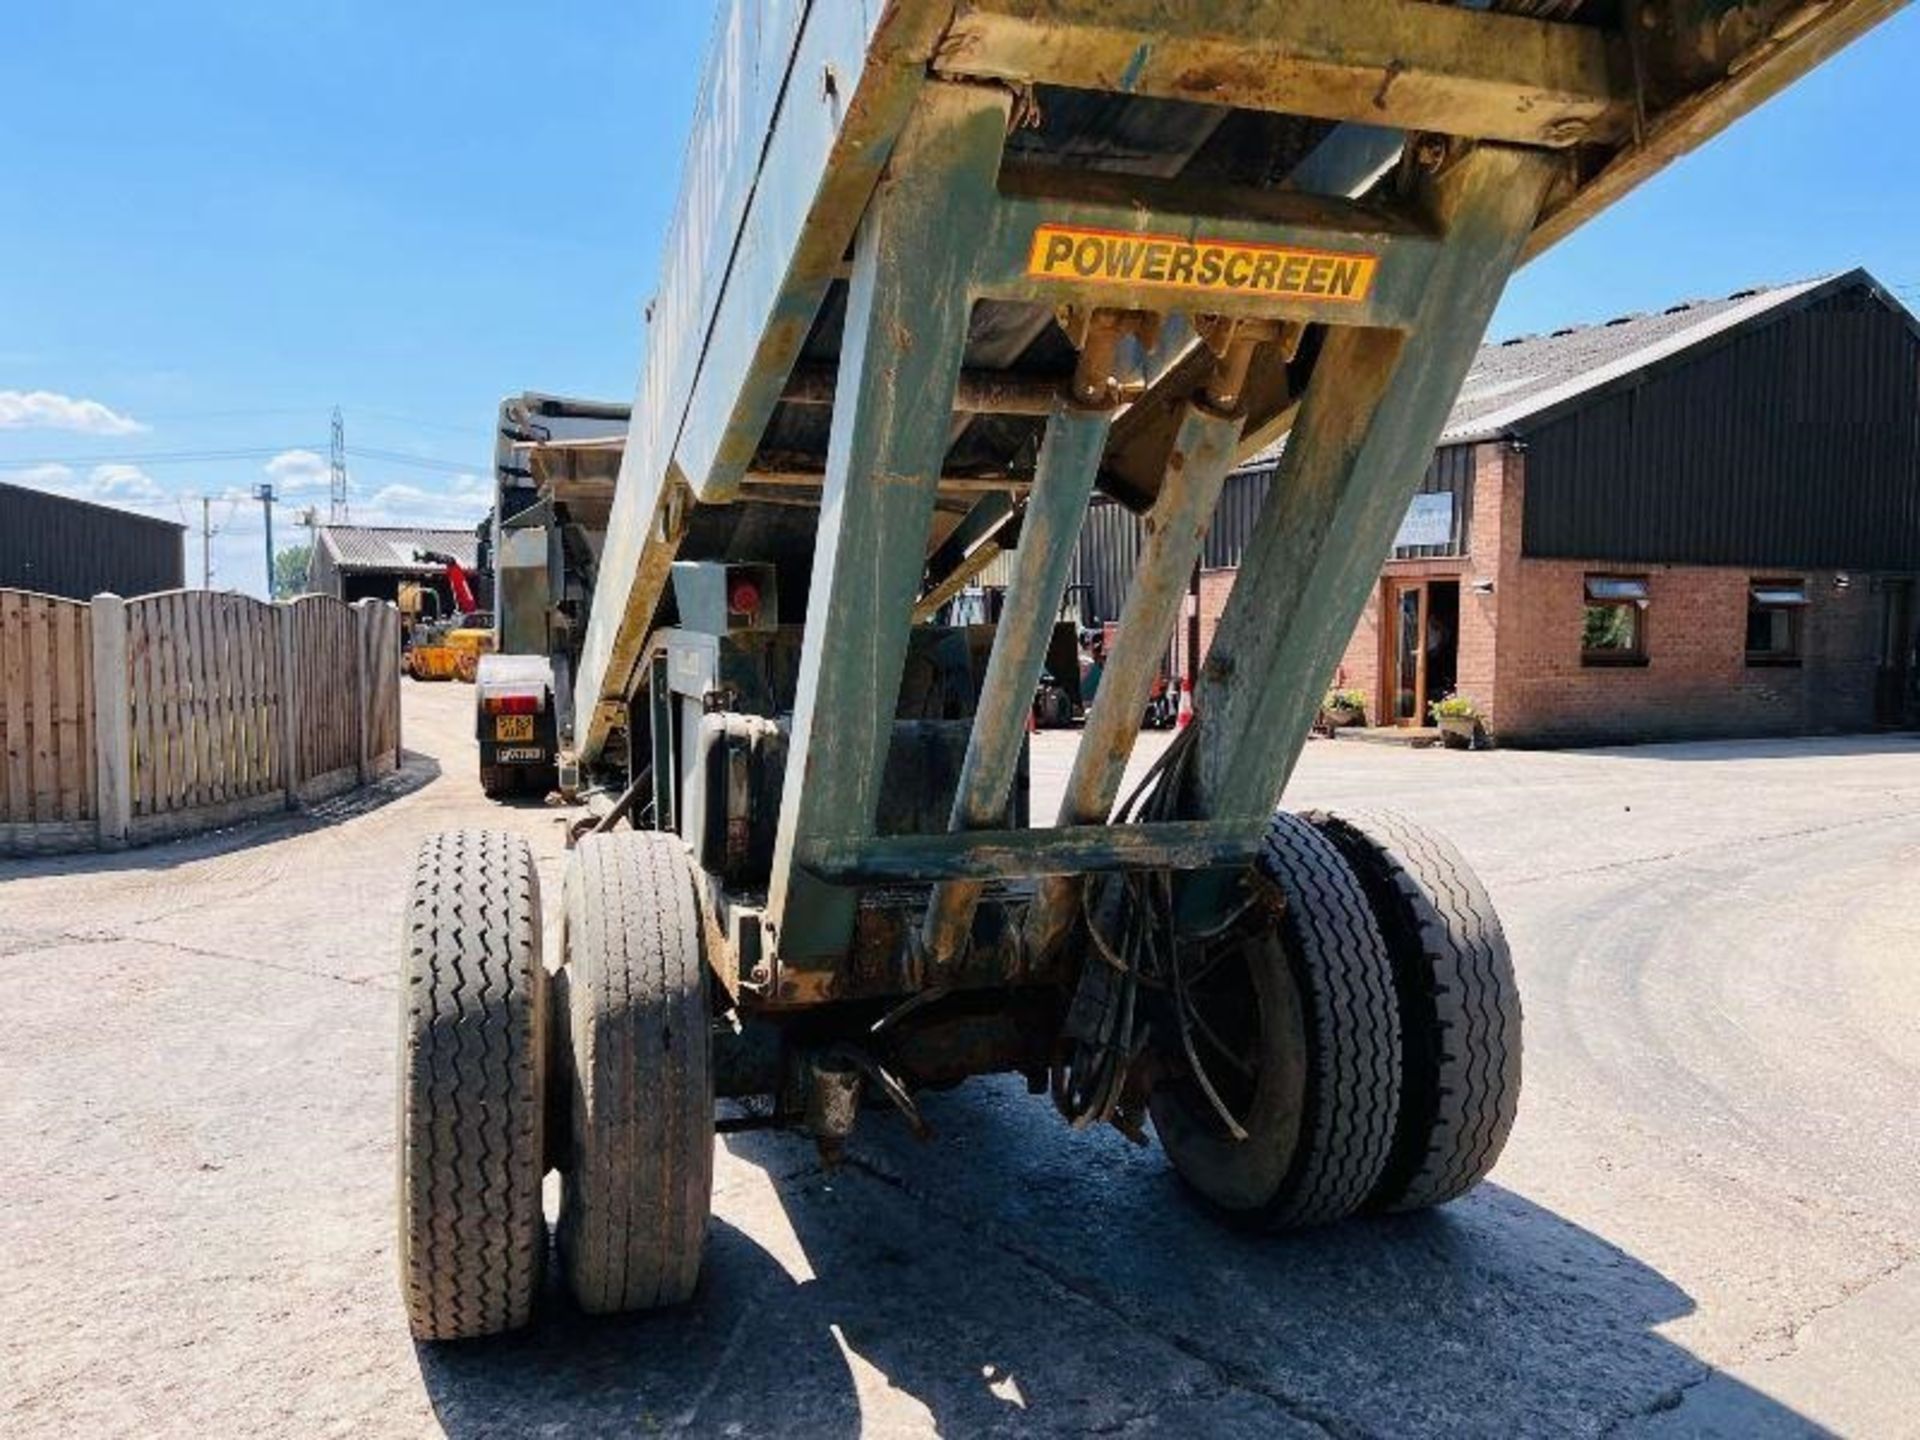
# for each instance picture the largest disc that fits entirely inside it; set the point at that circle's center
(513, 705)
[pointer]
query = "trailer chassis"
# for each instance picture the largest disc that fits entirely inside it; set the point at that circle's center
(1316, 1013)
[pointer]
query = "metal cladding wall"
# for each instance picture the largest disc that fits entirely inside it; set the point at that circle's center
(1110, 539)
(1105, 558)
(1450, 472)
(68, 547)
(1796, 444)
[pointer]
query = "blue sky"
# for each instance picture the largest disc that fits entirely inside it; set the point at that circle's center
(224, 217)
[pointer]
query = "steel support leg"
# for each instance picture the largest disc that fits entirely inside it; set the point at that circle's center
(666, 778)
(1063, 481)
(1366, 430)
(967, 551)
(907, 309)
(1197, 466)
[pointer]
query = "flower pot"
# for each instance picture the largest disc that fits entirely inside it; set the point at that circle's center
(1340, 719)
(1457, 732)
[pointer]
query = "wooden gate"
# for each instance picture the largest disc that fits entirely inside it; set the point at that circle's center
(47, 795)
(326, 657)
(205, 709)
(380, 671)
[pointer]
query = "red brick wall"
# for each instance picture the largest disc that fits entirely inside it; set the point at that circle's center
(1215, 586)
(1359, 667)
(1519, 645)
(1697, 681)
(1490, 527)
(1493, 525)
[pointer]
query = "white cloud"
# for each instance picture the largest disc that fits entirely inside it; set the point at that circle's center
(127, 486)
(460, 502)
(57, 478)
(46, 410)
(298, 472)
(124, 483)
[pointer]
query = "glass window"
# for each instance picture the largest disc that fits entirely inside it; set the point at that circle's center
(1614, 625)
(1774, 608)
(1615, 587)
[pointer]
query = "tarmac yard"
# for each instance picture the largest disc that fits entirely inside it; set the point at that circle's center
(1707, 1220)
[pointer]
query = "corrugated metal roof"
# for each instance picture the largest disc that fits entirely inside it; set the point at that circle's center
(1522, 378)
(1514, 380)
(391, 548)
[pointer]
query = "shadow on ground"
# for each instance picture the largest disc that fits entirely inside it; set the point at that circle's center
(1013, 1278)
(416, 772)
(1781, 747)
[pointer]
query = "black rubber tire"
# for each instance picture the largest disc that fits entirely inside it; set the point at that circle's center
(1327, 1092)
(472, 1073)
(496, 781)
(638, 1175)
(1459, 1005)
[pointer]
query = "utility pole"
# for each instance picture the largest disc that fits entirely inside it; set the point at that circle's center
(206, 542)
(264, 494)
(337, 472)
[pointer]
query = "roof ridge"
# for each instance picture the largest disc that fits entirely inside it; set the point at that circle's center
(1717, 317)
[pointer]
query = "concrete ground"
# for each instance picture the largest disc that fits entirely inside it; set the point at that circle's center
(1705, 1222)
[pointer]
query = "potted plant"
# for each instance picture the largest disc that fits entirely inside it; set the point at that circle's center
(1344, 707)
(1459, 721)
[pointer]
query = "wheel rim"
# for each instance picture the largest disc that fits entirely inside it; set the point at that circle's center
(1249, 1003)
(1219, 1006)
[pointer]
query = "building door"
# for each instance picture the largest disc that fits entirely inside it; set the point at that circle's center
(1423, 647)
(1896, 694)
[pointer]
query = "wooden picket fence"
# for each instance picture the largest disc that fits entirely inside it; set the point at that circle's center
(124, 721)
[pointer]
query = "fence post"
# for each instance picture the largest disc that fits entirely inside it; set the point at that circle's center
(112, 722)
(289, 706)
(362, 686)
(390, 638)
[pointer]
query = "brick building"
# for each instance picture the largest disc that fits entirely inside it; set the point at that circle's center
(1700, 522)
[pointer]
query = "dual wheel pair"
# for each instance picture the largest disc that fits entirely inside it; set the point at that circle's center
(1364, 1040)
(600, 1071)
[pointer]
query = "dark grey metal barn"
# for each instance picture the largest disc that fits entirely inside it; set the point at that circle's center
(61, 546)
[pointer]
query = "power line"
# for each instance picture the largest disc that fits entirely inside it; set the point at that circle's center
(420, 462)
(159, 457)
(418, 423)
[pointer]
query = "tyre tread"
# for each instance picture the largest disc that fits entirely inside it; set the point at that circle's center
(472, 1234)
(1462, 1004)
(636, 1199)
(1344, 972)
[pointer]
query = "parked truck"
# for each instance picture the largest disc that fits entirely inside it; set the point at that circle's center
(554, 467)
(939, 271)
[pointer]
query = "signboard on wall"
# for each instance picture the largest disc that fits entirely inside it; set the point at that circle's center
(1429, 521)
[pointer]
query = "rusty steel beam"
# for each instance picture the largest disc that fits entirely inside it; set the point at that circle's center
(1365, 432)
(974, 857)
(1401, 63)
(1804, 36)
(1197, 463)
(702, 409)
(1049, 531)
(808, 484)
(906, 330)
(979, 392)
